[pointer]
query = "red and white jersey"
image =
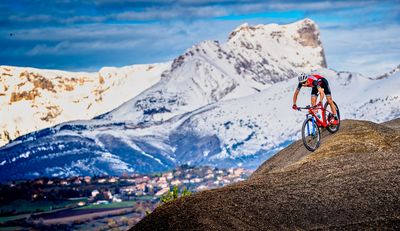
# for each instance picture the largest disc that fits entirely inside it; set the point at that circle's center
(314, 80)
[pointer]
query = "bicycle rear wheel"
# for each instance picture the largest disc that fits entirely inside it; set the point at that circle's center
(310, 134)
(332, 128)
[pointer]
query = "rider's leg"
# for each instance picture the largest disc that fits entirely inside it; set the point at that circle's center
(314, 96)
(313, 100)
(330, 101)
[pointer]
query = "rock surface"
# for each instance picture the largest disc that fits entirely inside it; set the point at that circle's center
(351, 182)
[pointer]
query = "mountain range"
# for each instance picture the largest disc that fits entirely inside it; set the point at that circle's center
(217, 104)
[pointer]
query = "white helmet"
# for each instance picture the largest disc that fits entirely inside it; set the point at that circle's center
(302, 77)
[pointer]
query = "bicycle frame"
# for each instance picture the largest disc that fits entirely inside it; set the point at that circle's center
(320, 122)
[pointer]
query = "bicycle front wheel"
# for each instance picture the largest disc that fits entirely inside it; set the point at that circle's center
(310, 134)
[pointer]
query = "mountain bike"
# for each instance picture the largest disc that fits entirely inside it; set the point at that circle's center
(310, 131)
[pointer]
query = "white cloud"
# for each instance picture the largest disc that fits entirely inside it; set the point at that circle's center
(316, 6)
(177, 12)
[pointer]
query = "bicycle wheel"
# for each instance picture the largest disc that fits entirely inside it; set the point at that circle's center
(332, 128)
(310, 134)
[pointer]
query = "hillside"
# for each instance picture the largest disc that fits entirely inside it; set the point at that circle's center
(351, 182)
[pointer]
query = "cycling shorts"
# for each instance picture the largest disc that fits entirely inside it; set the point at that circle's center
(323, 84)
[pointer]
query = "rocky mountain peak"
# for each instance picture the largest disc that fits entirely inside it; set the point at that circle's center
(242, 28)
(299, 35)
(309, 33)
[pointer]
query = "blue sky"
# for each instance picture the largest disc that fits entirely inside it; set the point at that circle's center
(361, 36)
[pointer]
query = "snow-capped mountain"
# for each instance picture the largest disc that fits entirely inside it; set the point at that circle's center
(253, 58)
(192, 115)
(33, 99)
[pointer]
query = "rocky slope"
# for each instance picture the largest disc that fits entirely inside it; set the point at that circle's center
(32, 99)
(351, 182)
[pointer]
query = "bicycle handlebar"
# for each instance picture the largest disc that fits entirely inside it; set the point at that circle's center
(307, 107)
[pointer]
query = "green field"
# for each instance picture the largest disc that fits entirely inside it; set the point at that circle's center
(110, 206)
(11, 218)
(14, 228)
(28, 207)
(25, 206)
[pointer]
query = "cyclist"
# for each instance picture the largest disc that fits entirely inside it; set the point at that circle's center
(319, 86)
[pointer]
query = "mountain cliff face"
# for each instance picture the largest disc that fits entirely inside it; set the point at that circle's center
(32, 99)
(192, 116)
(351, 182)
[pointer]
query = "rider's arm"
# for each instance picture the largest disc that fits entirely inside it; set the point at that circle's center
(296, 93)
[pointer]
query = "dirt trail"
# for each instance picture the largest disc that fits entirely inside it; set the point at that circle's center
(351, 182)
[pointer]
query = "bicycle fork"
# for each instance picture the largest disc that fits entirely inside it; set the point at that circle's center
(312, 126)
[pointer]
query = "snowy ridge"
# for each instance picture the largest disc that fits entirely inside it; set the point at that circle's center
(33, 99)
(390, 73)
